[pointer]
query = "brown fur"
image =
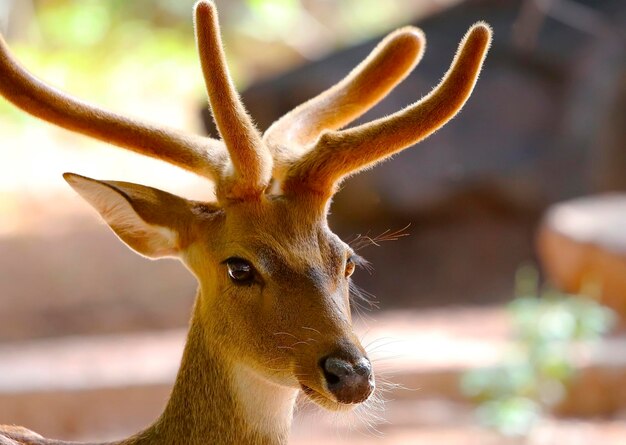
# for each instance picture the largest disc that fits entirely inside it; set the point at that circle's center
(337, 154)
(252, 347)
(387, 65)
(187, 151)
(250, 157)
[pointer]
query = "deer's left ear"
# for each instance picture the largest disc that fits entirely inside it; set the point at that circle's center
(151, 222)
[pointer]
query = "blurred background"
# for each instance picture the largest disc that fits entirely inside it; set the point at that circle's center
(498, 318)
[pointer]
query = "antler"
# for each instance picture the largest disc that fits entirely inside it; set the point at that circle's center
(251, 159)
(200, 155)
(251, 166)
(386, 66)
(337, 154)
(309, 152)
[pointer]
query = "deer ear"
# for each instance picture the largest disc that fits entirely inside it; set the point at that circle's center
(151, 222)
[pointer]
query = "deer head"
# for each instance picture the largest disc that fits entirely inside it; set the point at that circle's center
(274, 280)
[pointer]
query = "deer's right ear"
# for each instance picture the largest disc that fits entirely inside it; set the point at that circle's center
(152, 222)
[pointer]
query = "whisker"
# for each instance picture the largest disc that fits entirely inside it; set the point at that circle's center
(362, 241)
(311, 329)
(286, 333)
(388, 357)
(389, 341)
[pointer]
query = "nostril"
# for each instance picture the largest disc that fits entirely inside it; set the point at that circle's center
(335, 369)
(331, 379)
(363, 368)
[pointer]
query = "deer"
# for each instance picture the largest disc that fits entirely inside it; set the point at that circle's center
(271, 319)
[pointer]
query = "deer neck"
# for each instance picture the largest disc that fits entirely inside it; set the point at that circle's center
(217, 401)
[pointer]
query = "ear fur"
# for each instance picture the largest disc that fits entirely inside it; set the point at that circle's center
(137, 214)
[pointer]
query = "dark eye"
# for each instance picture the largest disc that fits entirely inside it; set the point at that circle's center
(350, 266)
(240, 271)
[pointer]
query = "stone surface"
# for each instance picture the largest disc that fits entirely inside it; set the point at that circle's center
(582, 246)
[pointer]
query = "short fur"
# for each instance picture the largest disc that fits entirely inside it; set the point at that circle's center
(252, 347)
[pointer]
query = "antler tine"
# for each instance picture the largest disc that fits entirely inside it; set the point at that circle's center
(200, 155)
(337, 154)
(366, 85)
(251, 159)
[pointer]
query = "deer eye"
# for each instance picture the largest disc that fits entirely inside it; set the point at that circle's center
(240, 271)
(350, 266)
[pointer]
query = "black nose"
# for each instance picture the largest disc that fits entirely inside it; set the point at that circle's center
(350, 382)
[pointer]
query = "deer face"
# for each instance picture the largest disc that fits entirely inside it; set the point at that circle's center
(280, 274)
(274, 279)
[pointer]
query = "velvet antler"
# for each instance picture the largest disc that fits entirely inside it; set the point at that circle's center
(386, 66)
(252, 161)
(305, 149)
(200, 155)
(247, 174)
(337, 154)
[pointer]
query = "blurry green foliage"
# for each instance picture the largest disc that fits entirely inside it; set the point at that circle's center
(275, 11)
(110, 51)
(547, 324)
(350, 19)
(82, 23)
(70, 26)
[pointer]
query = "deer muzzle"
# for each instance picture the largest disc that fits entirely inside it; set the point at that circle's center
(350, 381)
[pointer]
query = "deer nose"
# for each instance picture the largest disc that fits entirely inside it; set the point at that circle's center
(350, 382)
